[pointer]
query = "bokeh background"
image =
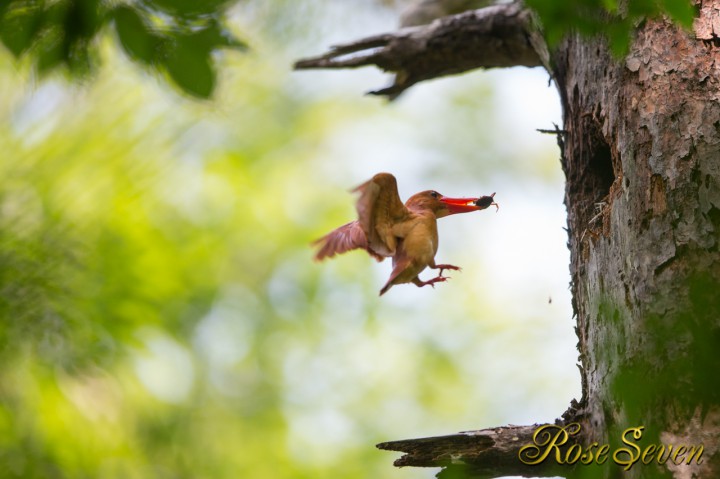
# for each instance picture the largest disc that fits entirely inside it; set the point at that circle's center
(160, 312)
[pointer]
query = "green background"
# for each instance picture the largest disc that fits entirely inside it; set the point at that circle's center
(160, 312)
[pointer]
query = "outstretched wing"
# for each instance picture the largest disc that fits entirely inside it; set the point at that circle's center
(379, 208)
(345, 238)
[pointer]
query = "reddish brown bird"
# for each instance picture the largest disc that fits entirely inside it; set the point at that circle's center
(407, 233)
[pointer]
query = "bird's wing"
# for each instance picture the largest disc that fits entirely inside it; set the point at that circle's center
(345, 238)
(379, 209)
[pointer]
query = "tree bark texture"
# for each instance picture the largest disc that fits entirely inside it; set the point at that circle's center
(640, 149)
(642, 162)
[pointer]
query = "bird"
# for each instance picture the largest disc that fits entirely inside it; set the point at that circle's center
(405, 232)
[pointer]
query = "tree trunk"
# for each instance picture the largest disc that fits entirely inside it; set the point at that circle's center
(641, 154)
(642, 161)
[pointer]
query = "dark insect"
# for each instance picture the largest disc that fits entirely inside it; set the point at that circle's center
(486, 201)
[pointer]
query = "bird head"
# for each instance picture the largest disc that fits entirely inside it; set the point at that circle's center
(443, 205)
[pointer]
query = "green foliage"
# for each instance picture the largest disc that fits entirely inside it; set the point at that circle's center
(160, 312)
(179, 37)
(607, 17)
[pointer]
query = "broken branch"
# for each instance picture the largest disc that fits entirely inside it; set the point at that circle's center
(486, 453)
(491, 37)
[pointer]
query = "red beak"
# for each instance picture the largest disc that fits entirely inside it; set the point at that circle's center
(466, 205)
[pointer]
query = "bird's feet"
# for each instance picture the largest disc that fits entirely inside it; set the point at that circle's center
(443, 267)
(439, 279)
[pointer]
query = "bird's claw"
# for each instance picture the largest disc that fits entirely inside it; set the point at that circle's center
(431, 282)
(443, 267)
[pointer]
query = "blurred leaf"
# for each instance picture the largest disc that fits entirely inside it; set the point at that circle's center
(610, 5)
(82, 19)
(51, 51)
(19, 24)
(136, 37)
(189, 65)
(619, 37)
(592, 17)
(182, 35)
(681, 11)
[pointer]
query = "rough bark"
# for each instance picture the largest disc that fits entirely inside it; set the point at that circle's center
(641, 152)
(643, 199)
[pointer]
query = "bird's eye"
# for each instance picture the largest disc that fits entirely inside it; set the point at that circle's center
(434, 194)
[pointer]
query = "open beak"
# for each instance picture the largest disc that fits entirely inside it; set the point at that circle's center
(466, 205)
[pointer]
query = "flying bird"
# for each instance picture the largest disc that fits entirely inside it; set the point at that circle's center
(406, 233)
